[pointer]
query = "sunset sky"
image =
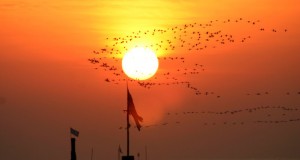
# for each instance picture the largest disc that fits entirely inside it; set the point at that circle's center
(243, 102)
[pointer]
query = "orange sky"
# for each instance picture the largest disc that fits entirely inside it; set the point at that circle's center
(48, 85)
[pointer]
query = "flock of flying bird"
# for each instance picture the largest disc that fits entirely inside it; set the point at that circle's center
(272, 115)
(187, 39)
(173, 46)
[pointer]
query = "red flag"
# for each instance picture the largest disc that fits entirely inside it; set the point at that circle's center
(132, 111)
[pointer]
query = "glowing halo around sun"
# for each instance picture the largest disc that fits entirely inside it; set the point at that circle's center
(140, 63)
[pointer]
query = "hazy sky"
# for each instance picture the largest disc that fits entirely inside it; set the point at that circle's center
(47, 84)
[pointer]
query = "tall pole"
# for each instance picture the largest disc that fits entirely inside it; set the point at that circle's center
(128, 125)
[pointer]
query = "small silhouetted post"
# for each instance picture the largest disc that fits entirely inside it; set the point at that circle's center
(73, 152)
(92, 154)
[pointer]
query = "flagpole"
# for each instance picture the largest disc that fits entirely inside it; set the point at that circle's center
(127, 122)
(127, 133)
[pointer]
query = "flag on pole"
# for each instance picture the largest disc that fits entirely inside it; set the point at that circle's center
(132, 111)
(74, 132)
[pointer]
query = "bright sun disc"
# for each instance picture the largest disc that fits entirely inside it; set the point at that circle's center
(140, 63)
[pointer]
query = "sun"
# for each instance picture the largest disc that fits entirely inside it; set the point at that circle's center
(140, 63)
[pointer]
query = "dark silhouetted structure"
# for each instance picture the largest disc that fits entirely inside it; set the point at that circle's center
(73, 152)
(131, 111)
(127, 157)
